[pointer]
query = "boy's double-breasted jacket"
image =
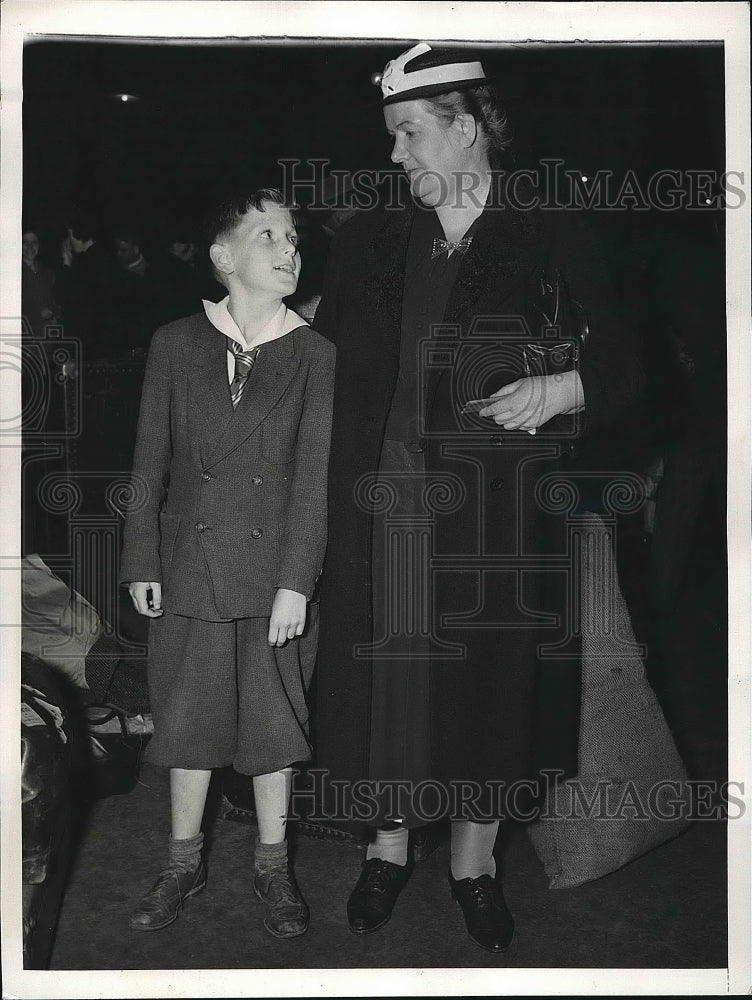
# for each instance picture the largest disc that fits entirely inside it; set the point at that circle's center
(499, 505)
(230, 504)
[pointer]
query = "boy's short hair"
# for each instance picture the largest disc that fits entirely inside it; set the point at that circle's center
(227, 216)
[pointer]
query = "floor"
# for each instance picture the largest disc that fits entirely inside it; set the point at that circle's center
(642, 916)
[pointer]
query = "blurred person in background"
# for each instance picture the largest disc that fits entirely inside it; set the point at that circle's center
(85, 281)
(39, 306)
(133, 310)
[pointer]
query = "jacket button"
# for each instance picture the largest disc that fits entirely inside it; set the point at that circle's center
(497, 484)
(495, 441)
(206, 476)
(256, 533)
(200, 526)
(257, 480)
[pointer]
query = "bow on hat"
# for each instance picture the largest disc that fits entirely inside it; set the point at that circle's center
(401, 81)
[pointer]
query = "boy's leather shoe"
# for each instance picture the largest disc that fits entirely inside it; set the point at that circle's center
(161, 904)
(287, 915)
(489, 923)
(372, 900)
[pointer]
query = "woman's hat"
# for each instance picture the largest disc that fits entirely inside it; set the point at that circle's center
(425, 72)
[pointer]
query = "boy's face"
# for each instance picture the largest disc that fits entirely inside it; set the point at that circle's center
(264, 251)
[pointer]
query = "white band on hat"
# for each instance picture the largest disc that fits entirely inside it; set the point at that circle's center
(395, 81)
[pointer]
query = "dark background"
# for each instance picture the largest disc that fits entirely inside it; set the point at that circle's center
(210, 114)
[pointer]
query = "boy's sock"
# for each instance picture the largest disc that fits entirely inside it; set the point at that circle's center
(472, 849)
(390, 844)
(185, 855)
(270, 857)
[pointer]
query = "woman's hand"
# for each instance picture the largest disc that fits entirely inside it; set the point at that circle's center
(140, 596)
(529, 403)
(288, 616)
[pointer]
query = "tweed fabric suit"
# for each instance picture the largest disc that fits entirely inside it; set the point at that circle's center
(228, 506)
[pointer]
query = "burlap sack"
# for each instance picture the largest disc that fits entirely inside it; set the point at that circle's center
(58, 625)
(631, 793)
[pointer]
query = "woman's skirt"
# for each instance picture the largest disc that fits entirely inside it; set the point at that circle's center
(402, 605)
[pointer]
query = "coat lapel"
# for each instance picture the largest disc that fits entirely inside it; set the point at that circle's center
(505, 244)
(385, 281)
(504, 247)
(209, 386)
(272, 373)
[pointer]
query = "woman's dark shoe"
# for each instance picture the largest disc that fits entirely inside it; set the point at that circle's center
(287, 915)
(372, 900)
(489, 923)
(161, 904)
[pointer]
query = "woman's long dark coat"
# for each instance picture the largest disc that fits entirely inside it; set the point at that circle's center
(501, 706)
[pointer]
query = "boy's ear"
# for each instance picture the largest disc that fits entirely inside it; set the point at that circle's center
(221, 258)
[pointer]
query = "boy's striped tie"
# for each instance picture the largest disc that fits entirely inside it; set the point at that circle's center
(244, 361)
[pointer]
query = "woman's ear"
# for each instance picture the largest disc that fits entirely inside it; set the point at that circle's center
(221, 258)
(467, 128)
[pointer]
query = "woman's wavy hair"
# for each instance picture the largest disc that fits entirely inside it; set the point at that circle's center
(483, 104)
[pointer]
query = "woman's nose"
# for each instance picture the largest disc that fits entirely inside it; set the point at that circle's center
(398, 154)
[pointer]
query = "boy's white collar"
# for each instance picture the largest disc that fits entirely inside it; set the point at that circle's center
(281, 323)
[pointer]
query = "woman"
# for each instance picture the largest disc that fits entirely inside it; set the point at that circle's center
(447, 661)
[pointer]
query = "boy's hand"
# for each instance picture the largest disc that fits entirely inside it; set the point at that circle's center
(140, 596)
(288, 617)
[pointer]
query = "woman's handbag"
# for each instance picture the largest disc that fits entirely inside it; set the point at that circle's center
(559, 323)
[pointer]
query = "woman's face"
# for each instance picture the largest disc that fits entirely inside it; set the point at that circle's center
(429, 152)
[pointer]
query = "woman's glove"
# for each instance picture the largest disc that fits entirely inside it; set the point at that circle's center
(528, 403)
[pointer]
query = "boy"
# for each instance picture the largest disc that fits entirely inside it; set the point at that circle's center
(224, 544)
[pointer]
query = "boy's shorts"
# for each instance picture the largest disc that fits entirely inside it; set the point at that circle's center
(221, 695)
